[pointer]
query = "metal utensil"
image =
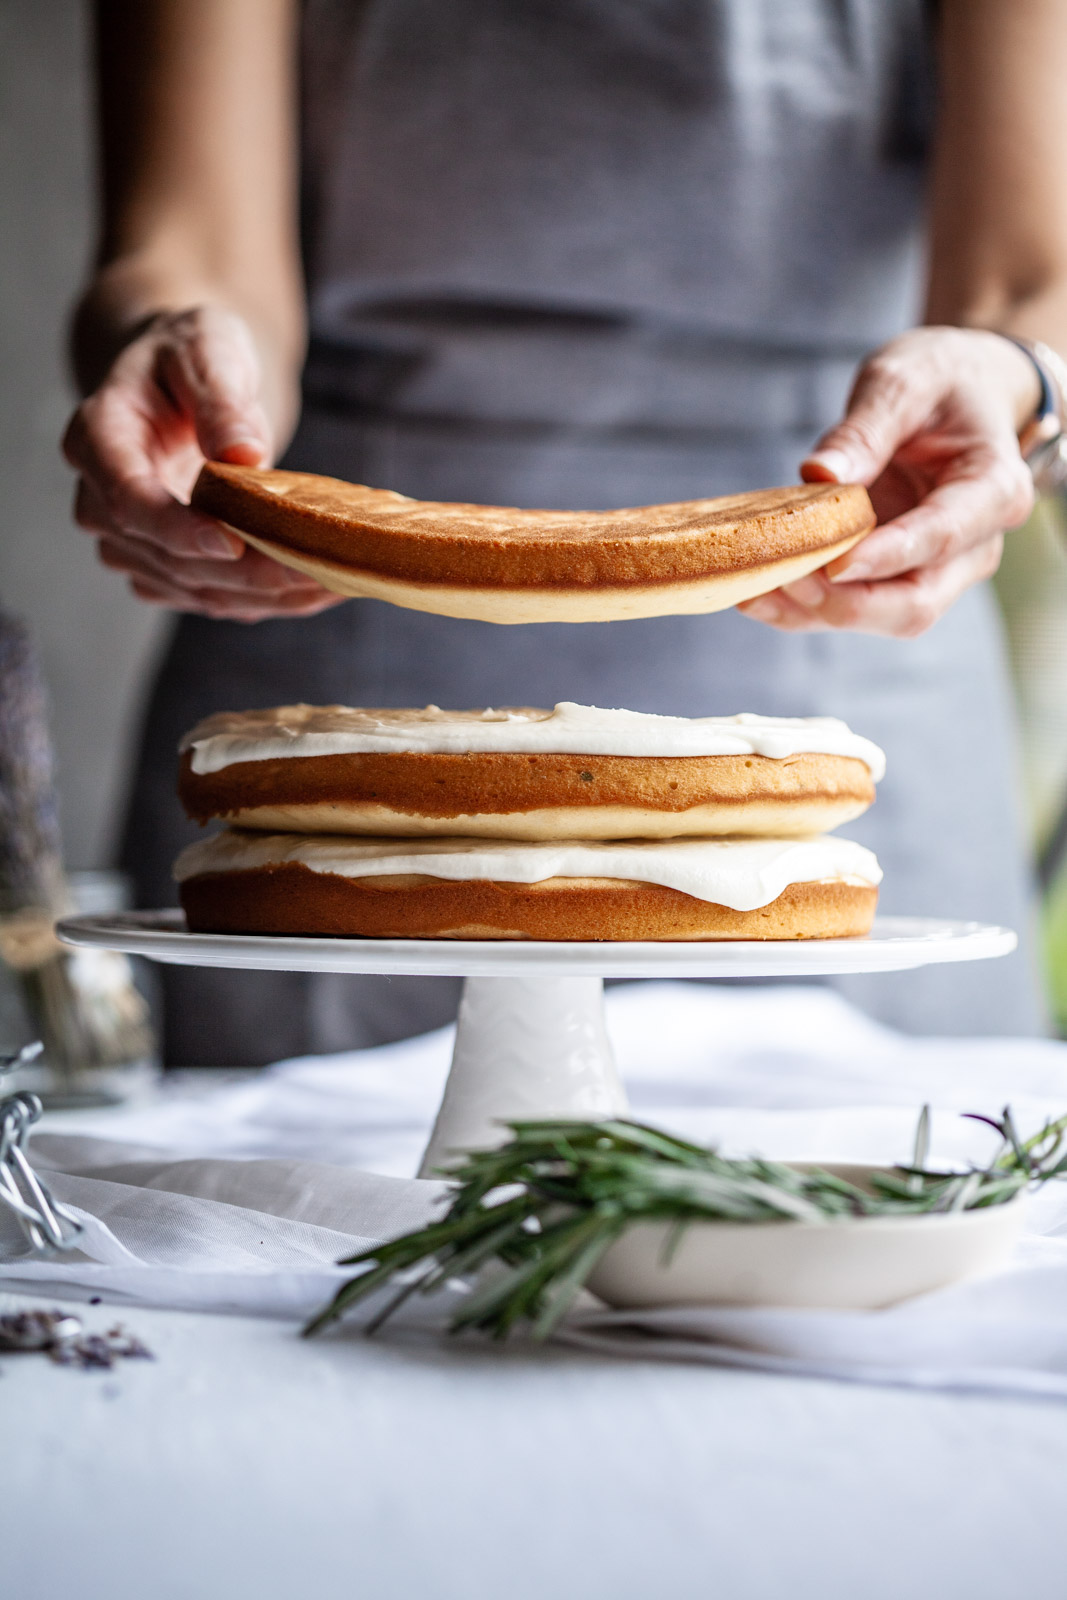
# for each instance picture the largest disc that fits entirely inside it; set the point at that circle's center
(47, 1225)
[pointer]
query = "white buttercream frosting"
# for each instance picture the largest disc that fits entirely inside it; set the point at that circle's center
(743, 874)
(569, 729)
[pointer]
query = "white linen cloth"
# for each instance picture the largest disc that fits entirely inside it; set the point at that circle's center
(243, 1197)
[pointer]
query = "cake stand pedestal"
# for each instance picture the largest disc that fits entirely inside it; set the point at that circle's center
(525, 1048)
(531, 1040)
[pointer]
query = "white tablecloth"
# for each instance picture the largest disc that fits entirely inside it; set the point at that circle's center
(246, 1464)
(242, 1199)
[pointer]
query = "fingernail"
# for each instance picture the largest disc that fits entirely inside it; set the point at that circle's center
(834, 463)
(213, 542)
(242, 451)
(854, 574)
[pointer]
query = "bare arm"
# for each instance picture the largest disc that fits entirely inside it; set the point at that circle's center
(198, 165)
(932, 422)
(189, 338)
(999, 190)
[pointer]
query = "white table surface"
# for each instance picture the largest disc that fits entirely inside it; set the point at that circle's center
(244, 1462)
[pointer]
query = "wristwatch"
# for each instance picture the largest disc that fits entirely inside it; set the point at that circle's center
(1043, 441)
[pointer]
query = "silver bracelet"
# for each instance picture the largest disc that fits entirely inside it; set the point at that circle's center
(1043, 441)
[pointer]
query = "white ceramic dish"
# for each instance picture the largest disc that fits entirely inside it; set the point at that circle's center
(857, 1264)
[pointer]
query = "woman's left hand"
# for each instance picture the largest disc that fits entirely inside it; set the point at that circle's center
(931, 429)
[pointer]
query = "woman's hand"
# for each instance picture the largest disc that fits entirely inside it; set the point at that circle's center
(931, 429)
(186, 389)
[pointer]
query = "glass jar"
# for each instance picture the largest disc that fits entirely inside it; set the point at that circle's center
(91, 1010)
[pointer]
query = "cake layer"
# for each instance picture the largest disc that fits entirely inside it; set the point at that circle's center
(742, 874)
(533, 797)
(503, 564)
(600, 602)
(292, 899)
(574, 772)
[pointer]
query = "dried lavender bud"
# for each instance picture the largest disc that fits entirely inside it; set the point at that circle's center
(62, 1338)
(90, 1350)
(127, 1344)
(36, 1330)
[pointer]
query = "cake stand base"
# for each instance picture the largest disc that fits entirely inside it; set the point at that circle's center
(525, 1048)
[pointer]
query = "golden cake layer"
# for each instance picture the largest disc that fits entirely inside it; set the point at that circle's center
(503, 564)
(294, 900)
(510, 795)
(818, 889)
(525, 773)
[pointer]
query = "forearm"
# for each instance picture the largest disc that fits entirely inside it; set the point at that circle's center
(197, 128)
(1030, 303)
(1036, 310)
(998, 257)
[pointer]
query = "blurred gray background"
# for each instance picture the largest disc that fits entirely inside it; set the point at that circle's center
(96, 640)
(99, 644)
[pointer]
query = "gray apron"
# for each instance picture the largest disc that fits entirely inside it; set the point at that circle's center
(582, 253)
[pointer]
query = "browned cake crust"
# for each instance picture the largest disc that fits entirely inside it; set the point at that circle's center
(428, 542)
(292, 899)
(416, 785)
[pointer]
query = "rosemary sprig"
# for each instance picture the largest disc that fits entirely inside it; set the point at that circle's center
(529, 1220)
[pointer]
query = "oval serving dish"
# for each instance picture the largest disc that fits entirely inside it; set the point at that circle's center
(854, 1263)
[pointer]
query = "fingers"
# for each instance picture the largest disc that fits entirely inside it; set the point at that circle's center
(993, 491)
(245, 590)
(253, 604)
(246, 586)
(223, 607)
(930, 428)
(186, 389)
(902, 607)
(254, 574)
(137, 506)
(211, 370)
(936, 377)
(893, 395)
(114, 441)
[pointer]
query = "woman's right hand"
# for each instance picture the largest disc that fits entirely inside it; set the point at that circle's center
(186, 389)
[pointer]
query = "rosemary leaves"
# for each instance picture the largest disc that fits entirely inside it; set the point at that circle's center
(529, 1220)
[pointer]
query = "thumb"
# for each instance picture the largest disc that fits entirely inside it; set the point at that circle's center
(889, 402)
(212, 371)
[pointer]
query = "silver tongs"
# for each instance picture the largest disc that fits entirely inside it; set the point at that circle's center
(47, 1225)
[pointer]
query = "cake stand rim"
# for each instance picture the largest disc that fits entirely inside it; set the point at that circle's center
(895, 944)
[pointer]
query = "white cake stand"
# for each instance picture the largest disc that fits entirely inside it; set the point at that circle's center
(531, 1040)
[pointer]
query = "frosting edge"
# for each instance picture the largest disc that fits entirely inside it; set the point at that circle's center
(741, 874)
(570, 728)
